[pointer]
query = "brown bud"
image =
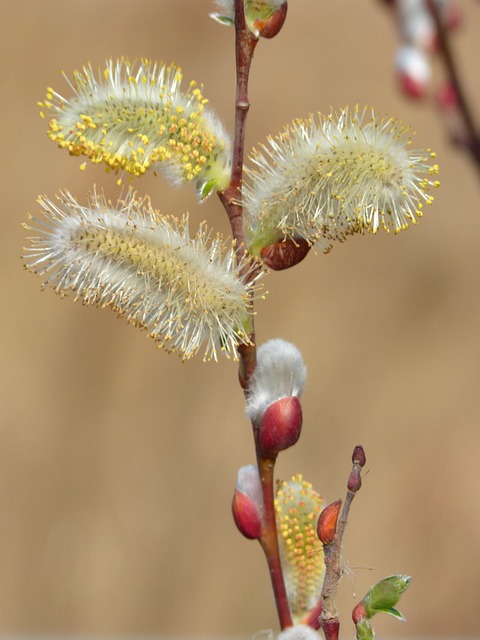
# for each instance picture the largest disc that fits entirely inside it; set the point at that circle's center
(327, 522)
(354, 480)
(285, 253)
(358, 456)
(280, 425)
(269, 28)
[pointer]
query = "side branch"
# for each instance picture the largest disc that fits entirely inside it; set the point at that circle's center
(471, 139)
(333, 566)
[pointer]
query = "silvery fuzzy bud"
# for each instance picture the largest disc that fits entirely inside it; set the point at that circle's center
(414, 70)
(280, 373)
(299, 632)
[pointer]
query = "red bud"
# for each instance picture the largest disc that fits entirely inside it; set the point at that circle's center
(327, 522)
(412, 87)
(285, 253)
(246, 516)
(280, 425)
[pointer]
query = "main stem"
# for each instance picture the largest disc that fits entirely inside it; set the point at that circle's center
(269, 542)
(231, 198)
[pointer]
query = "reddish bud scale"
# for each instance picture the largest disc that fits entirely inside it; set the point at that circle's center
(327, 522)
(358, 456)
(280, 425)
(284, 254)
(269, 28)
(246, 516)
(358, 612)
(331, 628)
(412, 87)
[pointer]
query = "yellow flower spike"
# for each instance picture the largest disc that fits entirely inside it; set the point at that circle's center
(323, 179)
(297, 509)
(184, 290)
(143, 100)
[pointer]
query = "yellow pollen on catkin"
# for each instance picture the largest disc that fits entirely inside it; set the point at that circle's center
(297, 508)
(127, 115)
(328, 177)
(185, 291)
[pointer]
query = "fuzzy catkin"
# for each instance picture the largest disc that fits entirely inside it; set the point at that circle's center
(185, 291)
(323, 179)
(135, 117)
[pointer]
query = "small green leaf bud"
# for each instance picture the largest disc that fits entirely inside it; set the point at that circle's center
(384, 595)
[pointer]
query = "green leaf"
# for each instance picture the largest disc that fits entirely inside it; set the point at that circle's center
(384, 595)
(205, 188)
(225, 20)
(395, 613)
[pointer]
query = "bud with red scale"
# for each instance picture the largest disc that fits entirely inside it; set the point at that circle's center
(247, 504)
(273, 403)
(327, 522)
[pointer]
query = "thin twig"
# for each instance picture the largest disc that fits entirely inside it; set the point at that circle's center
(333, 563)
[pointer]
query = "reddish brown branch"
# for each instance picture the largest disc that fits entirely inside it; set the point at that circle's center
(231, 199)
(333, 563)
(471, 137)
(269, 542)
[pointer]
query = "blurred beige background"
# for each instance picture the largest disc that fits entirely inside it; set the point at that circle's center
(117, 462)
